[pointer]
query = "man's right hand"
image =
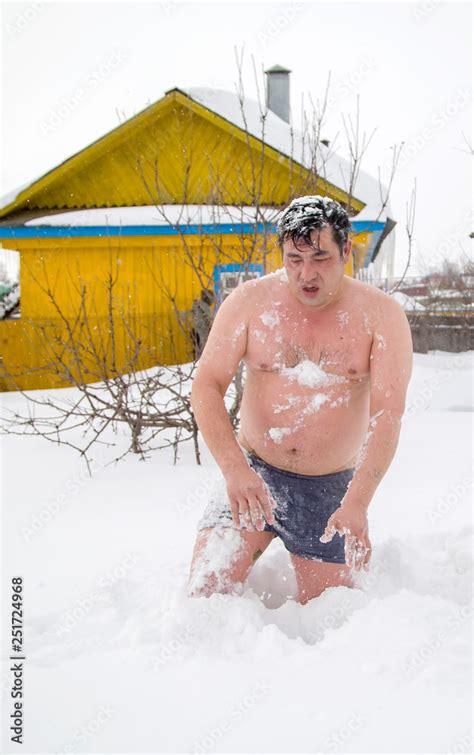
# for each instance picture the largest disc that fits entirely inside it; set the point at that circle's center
(249, 496)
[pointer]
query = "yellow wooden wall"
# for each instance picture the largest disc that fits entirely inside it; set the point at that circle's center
(150, 272)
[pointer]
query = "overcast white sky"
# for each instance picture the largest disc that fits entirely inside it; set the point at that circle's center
(69, 68)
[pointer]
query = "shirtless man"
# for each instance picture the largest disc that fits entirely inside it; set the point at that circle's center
(328, 360)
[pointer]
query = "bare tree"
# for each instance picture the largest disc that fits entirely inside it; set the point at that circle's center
(409, 226)
(110, 390)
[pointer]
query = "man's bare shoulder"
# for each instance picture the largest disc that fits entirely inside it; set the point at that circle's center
(253, 290)
(373, 299)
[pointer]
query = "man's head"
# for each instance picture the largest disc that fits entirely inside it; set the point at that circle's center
(313, 233)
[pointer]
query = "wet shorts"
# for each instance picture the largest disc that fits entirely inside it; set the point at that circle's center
(304, 505)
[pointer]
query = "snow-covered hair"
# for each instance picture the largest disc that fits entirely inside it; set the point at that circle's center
(305, 214)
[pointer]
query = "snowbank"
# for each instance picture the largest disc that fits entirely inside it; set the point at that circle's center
(119, 659)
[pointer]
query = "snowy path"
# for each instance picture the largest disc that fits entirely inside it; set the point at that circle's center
(120, 660)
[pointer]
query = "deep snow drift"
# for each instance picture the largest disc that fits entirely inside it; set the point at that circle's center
(118, 659)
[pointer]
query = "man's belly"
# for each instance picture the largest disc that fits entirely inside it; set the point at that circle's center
(313, 431)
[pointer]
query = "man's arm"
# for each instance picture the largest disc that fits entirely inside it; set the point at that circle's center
(225, 347)
(390, 369)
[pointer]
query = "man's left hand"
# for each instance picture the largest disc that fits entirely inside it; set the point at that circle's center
(353, 523)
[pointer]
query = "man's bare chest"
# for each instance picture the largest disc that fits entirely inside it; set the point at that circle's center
(338, 345)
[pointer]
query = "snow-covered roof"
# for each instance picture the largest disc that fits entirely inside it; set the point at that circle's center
(163, 215)
(14, 193)
(277, 133)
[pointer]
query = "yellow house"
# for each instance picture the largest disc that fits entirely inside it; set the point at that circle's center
(117, 241)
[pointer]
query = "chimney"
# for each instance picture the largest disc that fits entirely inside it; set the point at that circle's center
(278, 91)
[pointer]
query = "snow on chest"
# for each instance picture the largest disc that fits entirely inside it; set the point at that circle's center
(310, 374)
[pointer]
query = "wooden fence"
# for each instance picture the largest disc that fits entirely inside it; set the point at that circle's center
(441, 331)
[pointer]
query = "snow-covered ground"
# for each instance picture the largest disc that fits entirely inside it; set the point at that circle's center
(120, 660)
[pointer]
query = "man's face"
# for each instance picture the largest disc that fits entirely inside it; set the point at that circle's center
(315, 273)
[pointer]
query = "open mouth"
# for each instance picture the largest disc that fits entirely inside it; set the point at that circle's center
(310, 290)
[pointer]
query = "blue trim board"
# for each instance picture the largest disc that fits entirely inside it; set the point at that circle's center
(46, 231)
(367, 225)
(61, 231)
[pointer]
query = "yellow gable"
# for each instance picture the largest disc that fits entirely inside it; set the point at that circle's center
(173, 152)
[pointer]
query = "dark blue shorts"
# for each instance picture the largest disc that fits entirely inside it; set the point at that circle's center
(304, 505)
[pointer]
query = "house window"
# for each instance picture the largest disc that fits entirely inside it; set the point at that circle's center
(9, 284)
(228, 277)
